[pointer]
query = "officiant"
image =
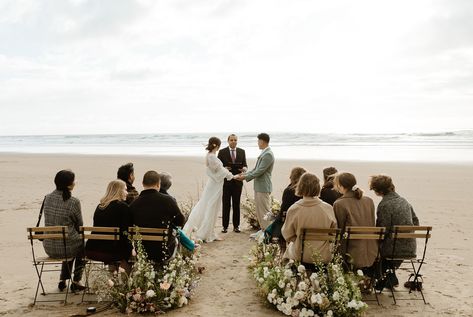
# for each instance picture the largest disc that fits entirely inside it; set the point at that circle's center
(234, 159)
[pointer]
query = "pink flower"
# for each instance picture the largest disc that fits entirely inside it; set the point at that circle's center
(165, 285)
(137, 297)
(133, 252)
(110, 283)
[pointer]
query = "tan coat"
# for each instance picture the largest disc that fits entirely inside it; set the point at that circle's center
(308, 213)
(357, 212)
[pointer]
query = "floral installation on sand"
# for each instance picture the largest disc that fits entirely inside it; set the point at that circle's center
(249, 211)
(298, 292)
(149, 288)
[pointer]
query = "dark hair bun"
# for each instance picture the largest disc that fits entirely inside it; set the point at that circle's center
(214, 142)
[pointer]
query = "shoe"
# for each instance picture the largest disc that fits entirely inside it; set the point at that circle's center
(236, 230)
(413, 286)
(61, 285)
(224, 230)
(392, 280)
(380, 285)
(76, 287)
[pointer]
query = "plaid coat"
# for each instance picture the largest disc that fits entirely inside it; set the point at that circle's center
(58, 212)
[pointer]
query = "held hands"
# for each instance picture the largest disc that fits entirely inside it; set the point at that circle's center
(239, 177)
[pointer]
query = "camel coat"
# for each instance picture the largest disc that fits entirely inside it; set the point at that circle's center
(308, 213)
(351, 211)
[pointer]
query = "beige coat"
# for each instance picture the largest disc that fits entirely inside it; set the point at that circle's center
(308, 213)
(357, 212)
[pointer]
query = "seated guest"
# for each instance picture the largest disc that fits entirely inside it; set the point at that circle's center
(166, 183)
(309, 212)
(155, 210)
(127, 174)
(328, 193)
(393, 210)
(61, 209)
(354, 209)
(112, 212)
(288, 199)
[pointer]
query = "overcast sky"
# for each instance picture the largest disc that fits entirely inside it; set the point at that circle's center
(122, 66)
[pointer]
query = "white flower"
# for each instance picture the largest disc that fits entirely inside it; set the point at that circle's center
(359, 272)
(121, 270)
(110, 283)
(340, 280)
(316, 299)
(299, 295)
(281, 284)
(302, 286)
(261, 280)
(288, 273)
(330, 313)
(301, 268)
(182, 301)
(336, 296)
(150, 293)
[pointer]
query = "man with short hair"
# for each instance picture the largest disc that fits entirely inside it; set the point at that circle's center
(234, 159)
(262, 176)
(155, 210)
(127, 174)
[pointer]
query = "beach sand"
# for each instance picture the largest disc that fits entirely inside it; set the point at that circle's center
(440, 193)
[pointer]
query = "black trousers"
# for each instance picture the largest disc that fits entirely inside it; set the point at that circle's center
(231, 197)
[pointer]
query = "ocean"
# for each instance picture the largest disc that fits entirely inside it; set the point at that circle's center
(450, 147)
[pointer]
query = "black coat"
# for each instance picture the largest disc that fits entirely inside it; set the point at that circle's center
(240, 160)
(155, 210)
(116, 214)
(329, 194)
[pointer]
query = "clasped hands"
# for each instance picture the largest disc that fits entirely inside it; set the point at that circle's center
(239, 177)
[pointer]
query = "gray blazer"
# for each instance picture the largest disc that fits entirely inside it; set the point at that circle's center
(58, 212)
(393, 210)
(262, 172)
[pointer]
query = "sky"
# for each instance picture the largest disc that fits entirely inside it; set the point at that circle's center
(151, 66)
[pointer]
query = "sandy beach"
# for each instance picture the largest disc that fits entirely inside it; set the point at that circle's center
(439, 193)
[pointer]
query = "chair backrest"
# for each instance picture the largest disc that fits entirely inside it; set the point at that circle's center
(318, 234)
(100, 233)
(52, 232)
(412, 232)
(365, 233)
(149, 234)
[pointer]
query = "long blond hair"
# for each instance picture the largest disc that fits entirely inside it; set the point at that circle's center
(115, 191)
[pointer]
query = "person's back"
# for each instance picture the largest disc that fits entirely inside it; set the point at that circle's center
(58, 212)
(155, 210)
(351, 211)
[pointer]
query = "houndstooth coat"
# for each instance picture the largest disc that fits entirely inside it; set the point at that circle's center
(58, 212)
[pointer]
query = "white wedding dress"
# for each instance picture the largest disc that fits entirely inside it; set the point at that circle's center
(203, 216)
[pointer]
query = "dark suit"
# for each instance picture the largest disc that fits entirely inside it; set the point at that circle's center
(232, 189)
(155, 210)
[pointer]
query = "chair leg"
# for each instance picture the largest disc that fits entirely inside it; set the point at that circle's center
(40, 274)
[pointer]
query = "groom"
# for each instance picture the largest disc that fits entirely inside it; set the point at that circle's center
(233, 159)
(262, 176)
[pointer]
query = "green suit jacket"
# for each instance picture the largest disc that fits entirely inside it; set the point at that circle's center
(262, 172)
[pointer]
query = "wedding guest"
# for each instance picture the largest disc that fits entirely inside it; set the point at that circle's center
(393, 210)
(166, 183)
(234, 159)
(309, 212)
(328, 193)
(155, 210)
(61, 209)
(127, 174)
(112, 212)
(355, 209)
(289, 197)
(262, 176)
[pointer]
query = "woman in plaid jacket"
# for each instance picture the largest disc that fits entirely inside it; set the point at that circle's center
(61, 209)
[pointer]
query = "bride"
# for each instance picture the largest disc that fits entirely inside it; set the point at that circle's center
(203, 216)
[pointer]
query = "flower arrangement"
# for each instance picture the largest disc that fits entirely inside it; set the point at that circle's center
(249, 211)
(295, 291)
(186, 206)
(148, 288)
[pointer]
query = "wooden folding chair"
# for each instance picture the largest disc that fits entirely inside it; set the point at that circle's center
(410, 232)
(39, 262)
(331, 235)
(368, 233)
(96, 233)
(158, 235)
